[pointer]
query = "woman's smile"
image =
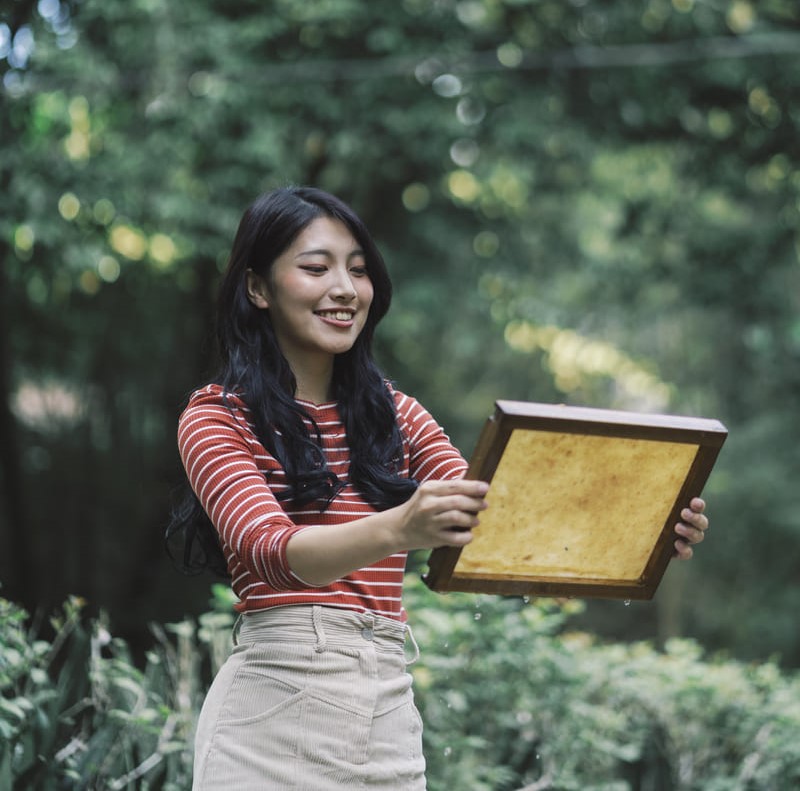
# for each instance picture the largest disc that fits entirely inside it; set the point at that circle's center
(340, 318)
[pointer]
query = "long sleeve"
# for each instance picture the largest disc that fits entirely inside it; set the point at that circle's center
(221, 456)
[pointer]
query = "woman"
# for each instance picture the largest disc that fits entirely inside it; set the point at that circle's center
(317, 477)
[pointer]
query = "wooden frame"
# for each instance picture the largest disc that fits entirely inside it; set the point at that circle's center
(583, 502)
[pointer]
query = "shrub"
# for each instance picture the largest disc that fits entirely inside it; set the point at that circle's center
(77, 713)
(511, 700)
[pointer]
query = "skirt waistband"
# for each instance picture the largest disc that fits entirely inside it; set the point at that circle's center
(324, 626)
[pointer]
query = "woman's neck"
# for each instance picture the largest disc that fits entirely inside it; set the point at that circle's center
(313, 396)
(314, 379)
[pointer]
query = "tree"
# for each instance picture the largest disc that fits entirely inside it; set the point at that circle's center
(548, 181)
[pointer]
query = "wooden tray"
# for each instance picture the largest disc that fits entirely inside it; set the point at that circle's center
(583, 502)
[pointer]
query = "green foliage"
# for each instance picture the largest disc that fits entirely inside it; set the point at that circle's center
(582, 202)
(511, 698)
(32, 699)
(77, 712)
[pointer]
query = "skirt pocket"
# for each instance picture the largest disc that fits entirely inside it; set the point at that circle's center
(259, 695)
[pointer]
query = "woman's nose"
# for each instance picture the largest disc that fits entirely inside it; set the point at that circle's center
(342, 287)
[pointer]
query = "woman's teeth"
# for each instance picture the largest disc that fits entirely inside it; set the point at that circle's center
(339, 315)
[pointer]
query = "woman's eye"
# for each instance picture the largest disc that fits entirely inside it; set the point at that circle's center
(359, 271)
(315, 269)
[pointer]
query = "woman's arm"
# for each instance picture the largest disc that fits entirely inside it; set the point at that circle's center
(220, 455)
(442, 511)
(439, 513)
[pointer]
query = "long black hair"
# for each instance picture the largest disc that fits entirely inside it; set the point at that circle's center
(255, 370)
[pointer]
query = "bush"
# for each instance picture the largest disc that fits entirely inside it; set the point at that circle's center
(511, 700)
(76, 713)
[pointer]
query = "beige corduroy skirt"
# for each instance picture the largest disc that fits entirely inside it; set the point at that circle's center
(311, 699)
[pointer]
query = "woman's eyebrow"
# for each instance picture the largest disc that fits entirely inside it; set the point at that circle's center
(355, 253)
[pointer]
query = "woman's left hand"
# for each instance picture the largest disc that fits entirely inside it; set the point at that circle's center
(691, 529)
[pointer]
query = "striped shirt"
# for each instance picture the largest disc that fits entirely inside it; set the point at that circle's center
(237, 481)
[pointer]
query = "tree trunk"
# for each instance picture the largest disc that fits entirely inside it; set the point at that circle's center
(16, 569)
(16, 559)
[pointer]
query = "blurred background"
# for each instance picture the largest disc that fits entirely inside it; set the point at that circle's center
(584, 202)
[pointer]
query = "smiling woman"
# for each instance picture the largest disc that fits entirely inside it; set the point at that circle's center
(311, 478)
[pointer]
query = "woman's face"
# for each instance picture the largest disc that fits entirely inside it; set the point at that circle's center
(317, 291)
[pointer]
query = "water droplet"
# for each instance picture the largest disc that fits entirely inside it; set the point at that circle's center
(526, 599)
(448, 751)
(627, 602)
(478, 616)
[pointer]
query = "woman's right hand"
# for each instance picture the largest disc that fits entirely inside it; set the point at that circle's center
(441, 513)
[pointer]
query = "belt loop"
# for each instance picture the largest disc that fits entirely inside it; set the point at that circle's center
(237, 627)
(319, 629)
(414, 645)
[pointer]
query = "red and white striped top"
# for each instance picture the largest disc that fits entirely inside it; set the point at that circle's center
(236, 480)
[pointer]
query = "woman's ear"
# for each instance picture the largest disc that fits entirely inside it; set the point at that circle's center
(257, 291)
